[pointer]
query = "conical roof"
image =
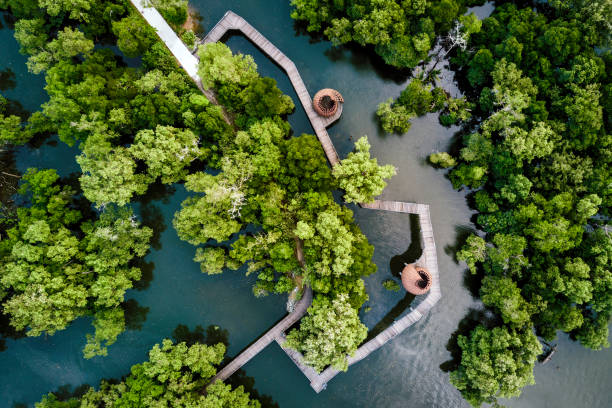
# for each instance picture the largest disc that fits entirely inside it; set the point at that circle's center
(325, 102)
(416, 279)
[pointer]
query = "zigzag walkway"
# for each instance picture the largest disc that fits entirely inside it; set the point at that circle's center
(189, 62)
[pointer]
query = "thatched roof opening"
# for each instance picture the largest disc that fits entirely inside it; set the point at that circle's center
(326, 101)
(416, 279)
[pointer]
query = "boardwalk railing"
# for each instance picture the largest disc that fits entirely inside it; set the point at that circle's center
(232, 21)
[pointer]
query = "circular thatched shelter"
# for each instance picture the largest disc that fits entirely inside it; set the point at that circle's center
(326, 101)
(416, 279)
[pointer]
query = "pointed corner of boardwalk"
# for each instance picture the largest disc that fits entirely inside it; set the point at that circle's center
(428, 259)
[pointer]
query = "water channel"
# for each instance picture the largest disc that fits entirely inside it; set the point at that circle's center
(405, 372)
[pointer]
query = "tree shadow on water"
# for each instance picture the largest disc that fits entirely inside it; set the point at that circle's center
(146, 269)
(240, 378)
(153, 218)
(157, 191)
(7, 79)
(8, 332)
(462, 232)
(413, 252)
(473, 318)
(135, 315)
(214, 335)
(391, 316)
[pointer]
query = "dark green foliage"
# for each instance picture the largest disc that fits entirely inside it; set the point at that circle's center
(418, 99)
(540, 155)
(402, 32)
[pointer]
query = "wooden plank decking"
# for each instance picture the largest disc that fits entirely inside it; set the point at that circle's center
(271, 335)
(188, 61)
(232, 21)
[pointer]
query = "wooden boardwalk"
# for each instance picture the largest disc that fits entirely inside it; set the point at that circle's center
(271, 335)
(188, 61)
(232, 21)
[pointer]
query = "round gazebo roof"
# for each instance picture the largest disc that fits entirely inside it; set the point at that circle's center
(325, 102)
(416, 279)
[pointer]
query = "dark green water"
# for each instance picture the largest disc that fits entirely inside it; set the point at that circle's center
(404, 373)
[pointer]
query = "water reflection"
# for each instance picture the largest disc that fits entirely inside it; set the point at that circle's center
(214, 335)
(8, 332)
(7, 79)
(153, 218)
(135, 315)
(146, 269)
(413, 252)
(156, 192)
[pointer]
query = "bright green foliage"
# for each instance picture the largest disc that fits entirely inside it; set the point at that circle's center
(109, 174)
(391, 285)
(401, 31)
(329, 333)
(418, 99)
(360, 176)
(495, 363)
(167, 152)
(174, 11)
(11, 130)
(57, 267)
(262, 98)
(211, 259)
(394, 118)
(503, 294)
(189, 38)
(473, 251)
(69, 44)
(212, 216)
(217, 64)
(442, 159)
(175, 375)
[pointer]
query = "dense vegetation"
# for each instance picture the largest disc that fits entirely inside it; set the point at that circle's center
(59, 264)
(60, 260)
(536, 149)
(401, 32)
(540, 161)
(145, 124)
(174, 376)
(283, 187)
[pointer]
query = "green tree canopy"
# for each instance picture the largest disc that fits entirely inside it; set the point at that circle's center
(360, 176)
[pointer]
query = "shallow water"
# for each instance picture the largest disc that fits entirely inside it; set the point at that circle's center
(405, 372)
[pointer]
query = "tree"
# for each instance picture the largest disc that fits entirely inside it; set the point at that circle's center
(57, 266)
(218, 65)
(502, 293)
(174, 11)
(442, 159)
(495, 363)
(167, 152)
(262, 98)
(329, 333)
(473, 251)
(394, 118)
(360, 176)
(174, 375)
(109, 174)
(135, 35)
